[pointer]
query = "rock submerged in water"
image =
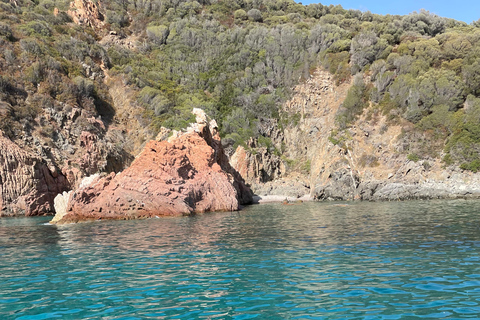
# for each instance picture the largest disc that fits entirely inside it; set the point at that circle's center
(187, 174)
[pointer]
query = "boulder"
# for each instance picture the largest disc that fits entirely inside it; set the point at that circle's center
(185, 175)
(60, 203)
(342, 185)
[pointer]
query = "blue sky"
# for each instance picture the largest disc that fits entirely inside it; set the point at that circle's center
(463, 10)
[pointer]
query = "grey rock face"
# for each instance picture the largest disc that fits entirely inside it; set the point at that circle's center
(258, 167)
(282, 187)
(390, 191)
(342, 185)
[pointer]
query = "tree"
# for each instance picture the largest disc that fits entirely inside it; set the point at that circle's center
(255, 15)
(240, 14)
(354, 103)
(471, 74)
(436, 87)
(322, 37)
(424, 23)
(158, 34)
(366, 47)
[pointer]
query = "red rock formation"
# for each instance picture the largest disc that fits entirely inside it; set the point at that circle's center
(27, 185)
(187, 174)
(86, 12)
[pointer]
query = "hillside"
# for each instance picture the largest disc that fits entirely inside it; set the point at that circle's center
(368, 160)
(83, 86)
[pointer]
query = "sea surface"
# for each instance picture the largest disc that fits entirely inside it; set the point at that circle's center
(333, 260)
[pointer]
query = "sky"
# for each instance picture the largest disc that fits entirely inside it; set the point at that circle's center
(463, 10)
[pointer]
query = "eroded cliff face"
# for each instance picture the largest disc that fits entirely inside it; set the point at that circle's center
(74, 138)
(366, 161)
(307, 156)
(259, 167)
(28, 185)
(78, 140)
(187, 174)
(130, 126)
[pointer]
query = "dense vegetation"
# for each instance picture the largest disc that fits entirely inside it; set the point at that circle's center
(239, 59)
(47, 66)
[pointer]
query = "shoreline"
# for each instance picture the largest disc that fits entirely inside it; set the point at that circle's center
(267, 199)
(258, 199)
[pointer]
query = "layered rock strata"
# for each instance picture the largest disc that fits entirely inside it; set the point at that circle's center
(186, 174)
(28, 185)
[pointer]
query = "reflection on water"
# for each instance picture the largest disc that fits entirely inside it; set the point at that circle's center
(386, 260)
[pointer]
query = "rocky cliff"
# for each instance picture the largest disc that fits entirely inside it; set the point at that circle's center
(28, 184)
(83, 88)
(366, 161)
(187, 174)
(74, 140)
(59, 137)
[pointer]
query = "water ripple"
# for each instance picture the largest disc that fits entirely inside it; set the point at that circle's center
(310, 261)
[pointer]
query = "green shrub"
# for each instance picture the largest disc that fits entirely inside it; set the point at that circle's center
(473, 166)
(306, 167)
(354, 103)
(6, 31)
(36, 28)
(158, 34)
(31, 46)
(333, 140)
(337, 64)
(85, 86)
(117, 19)
(413, 157)
(254, 15)
(426, 165)
(5, 85)
(35, 73)
(240, 14)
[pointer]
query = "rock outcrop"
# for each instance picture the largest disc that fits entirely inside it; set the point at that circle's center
(86, 12)
(291, 187)
(72, 138)
(366, 161)
(258, 167)
(189, 173)
(28, 185)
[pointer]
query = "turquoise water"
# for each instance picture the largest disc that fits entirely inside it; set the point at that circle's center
(396, 260)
